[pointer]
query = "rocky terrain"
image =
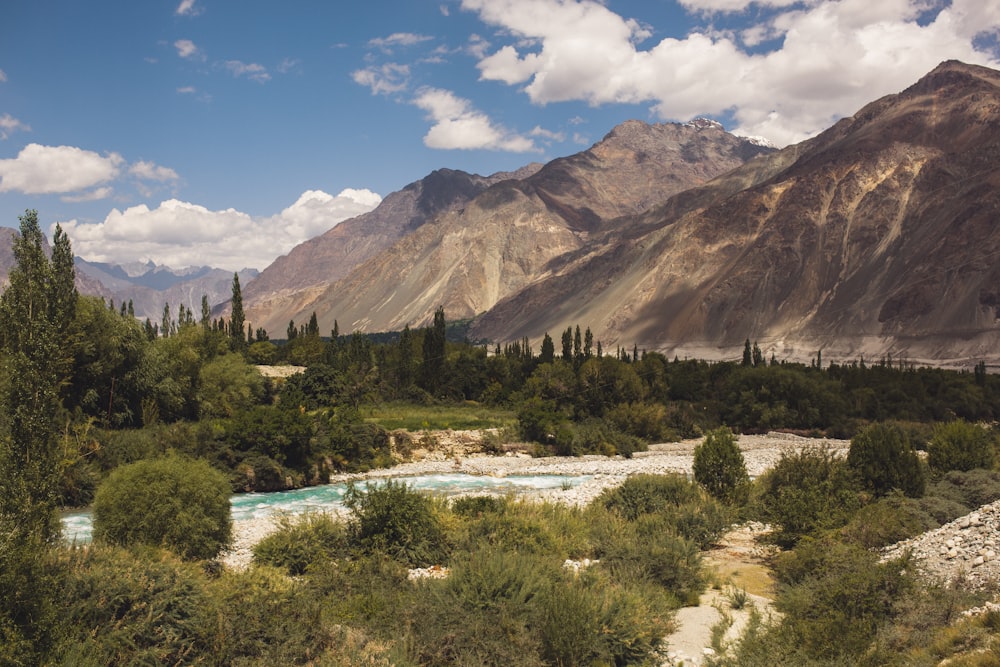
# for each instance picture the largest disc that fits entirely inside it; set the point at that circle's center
(875, 237)
(468, 258)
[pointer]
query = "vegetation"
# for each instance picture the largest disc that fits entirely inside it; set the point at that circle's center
(180, 504)
(156, 423)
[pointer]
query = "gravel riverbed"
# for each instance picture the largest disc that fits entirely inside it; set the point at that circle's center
(760, 452)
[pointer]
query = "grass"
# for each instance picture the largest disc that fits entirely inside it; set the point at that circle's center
(413, 417)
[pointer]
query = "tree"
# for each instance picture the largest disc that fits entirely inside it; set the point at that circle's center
(432, 369)
(206, 314)
(747, 353)
(720, 468)
(178, 503)
(548, 353)
(883, 458)
(567, 344)
(237, 319)
(35, 311)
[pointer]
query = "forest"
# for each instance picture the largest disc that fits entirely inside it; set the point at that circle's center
(98, 409)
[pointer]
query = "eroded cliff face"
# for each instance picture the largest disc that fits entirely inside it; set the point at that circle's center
(518, 231)
(879, 236)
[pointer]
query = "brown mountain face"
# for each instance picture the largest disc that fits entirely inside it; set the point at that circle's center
(516, 232)
(293, 282)
(877, 237)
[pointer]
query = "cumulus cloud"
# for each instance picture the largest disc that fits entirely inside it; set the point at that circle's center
(457, 125)
(252, 71)
(180, 234)
(383, 79)
(41, 169)
(186, 48)
(834, 56)
(75, 173)
(9, 124)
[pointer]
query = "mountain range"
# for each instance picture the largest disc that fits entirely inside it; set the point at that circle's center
(877, 237)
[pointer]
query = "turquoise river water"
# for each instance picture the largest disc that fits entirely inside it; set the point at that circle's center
(77, 525)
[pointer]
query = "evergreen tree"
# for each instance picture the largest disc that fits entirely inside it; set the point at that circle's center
(747, 353)
(548, 354)
(237, 319)
(312, 329)
(291, 332)
(758, 356)
(577, 346)
(588, 344)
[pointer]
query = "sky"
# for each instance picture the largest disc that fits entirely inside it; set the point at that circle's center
(225, 132)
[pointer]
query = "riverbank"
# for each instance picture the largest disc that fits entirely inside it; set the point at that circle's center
(760, 452)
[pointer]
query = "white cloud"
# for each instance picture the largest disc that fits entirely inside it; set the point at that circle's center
(252, 71)
(459, 126)
(94, 195)
(187, 8)
(187, 90)
(186, 48)
(57, 169)
(3, 76)
(398, 39)
(383, 79)
(152, 172)
(9, 124)
(180, 234)
(835, 56)
(548, 135)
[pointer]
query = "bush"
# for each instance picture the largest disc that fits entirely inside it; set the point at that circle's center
(973, 488)
(393, 519)
(646, 494)
(884, 460)
(887, 521)
(720, 468)
(959, 445)
(178, 503)
(125, 607)
(301, 542)
(805, 493)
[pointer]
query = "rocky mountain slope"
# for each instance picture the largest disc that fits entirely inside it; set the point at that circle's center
(878, 236)
(291, 283)
(149, 286)
(517, 231)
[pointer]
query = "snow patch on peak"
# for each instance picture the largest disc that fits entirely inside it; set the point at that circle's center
(757, 140)
(705, 124)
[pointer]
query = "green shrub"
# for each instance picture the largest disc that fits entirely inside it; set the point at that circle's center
(178, 503)
(806, 492)
(261, 617)
(836, 598)
(887, 521)
(643, 552)
(720, 468)
(141, 607)
(647, 421)
(646, 494)
(973, 488)
(393, 519)
(959, 445)
(302, 541)
(883, 459)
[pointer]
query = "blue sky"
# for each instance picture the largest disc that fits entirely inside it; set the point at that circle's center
(224, 132)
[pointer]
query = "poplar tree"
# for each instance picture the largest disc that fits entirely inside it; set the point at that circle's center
(36, 310)
(238, 319)
(548, 353)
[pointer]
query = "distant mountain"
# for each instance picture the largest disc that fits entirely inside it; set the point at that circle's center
(150, 286)
(292, 282)
(877, 237)
(515, 232)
